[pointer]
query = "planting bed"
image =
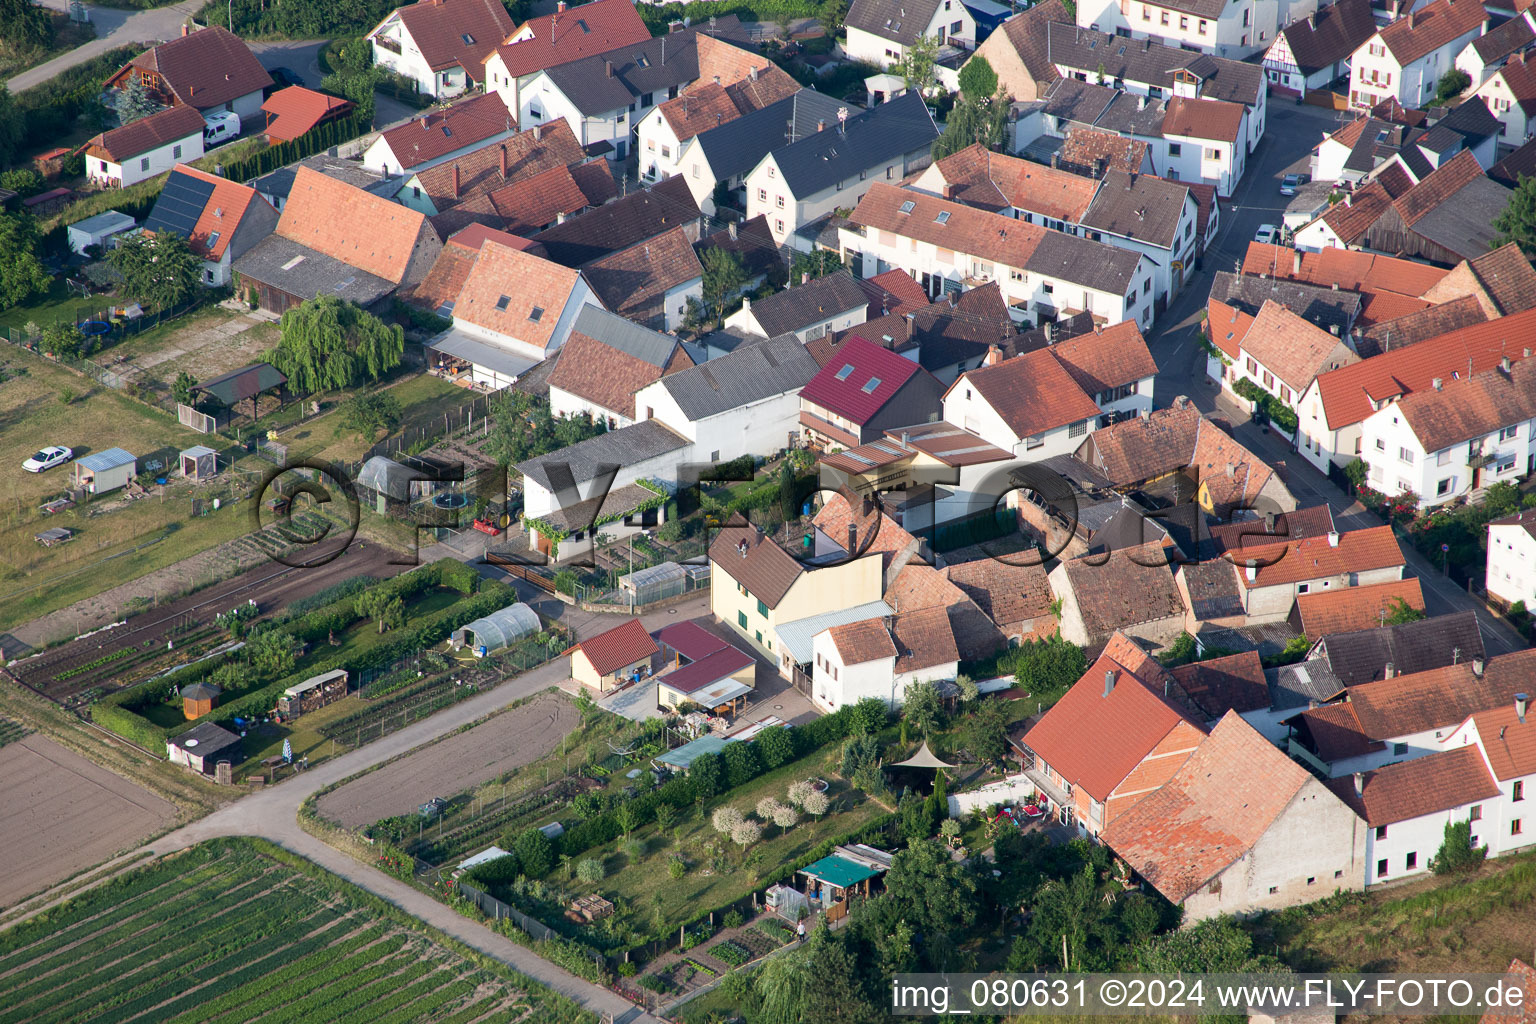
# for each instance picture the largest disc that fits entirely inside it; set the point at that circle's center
(112, 658)
(226, 932)
(60, 813)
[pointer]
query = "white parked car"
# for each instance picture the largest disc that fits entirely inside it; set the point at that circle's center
(53, 455)
(1267, 234)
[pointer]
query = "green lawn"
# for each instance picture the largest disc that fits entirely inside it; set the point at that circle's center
(58, 305)
(651, 896)
(423, 398)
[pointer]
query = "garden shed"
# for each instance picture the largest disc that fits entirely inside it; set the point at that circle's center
(847, 869)
(659, 582)
(313, 693)
(682, 758)
(198, 699)
(199, 462)
(203, 746)
(500, 628)
(105, 471)
(98, 229)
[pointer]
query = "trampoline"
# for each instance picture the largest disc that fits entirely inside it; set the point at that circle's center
(94, 327)
(450, 500)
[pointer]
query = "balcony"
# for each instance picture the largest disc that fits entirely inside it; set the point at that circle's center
(385, 43)
(829, 430)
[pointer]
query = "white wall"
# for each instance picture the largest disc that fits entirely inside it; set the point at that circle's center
(658, 148)
(1501, 101)
(564, 403)
(835, 684)
(1245, 27)
(1512, 564)
(745, 319)
(1395, 457)
(766, 189)
(1376, 74)
(1419, 837)
(758, 428)
(145, 165)
(409, 62)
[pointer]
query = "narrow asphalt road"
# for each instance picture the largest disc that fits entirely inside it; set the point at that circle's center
(113, 28)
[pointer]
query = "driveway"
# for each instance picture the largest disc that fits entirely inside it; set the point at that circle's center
(113, 28)
(301, 56)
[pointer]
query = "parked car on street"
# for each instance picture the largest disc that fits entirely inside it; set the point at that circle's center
(1291, 182)
(1268, 234)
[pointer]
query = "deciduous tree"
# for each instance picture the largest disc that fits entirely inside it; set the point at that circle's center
(1518, 221)
(724, 273)
(328, 344)
(922, 706)
(977, 79)
(21, 272)
(371, 411)
(183, 387)
(160, 270)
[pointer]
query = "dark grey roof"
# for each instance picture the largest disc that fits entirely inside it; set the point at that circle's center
(1416, 162)
(1298, 685)
(1522, 161)
(1096, 265)
(1440, 140)
(1129, 114)
(1078, 101)
(1511, 37)
(1472, 120)
(1325, 307)
(1214, 592)
(272, 261)
(1139, 206)
(623, 447)
(1083, 477)
(1410, 647)
(1128, 527)
(734, 148)
(205, 738)
(620, 224)
(625, 335)
(902, 21)
(749, 374)
(1464, 222)
(1144, 62)
(610, 81)
(1330, 35)
(280, 182)
(822, 159)
(796, 308)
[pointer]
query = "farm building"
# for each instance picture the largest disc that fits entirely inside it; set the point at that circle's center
(706, 671)
(659, 582)
(248, 382)
(98, 229)
(198, 699)
(101, 472)
(199, 462)
(611, 659)
(203, 746)
(313, 693)
(500, 628)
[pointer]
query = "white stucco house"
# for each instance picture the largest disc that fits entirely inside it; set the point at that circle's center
(1223, 28)
(882, 658)
(149, 146)
(1406, 58)
(881, 31)
(1511, 569)
(440, 44)
(1510, 93)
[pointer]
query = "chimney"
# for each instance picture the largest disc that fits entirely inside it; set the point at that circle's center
(1333, 538)
(731, 227)
(560, 7)
(1141, 103)
(1522, 703)
(994, 356)
(1055, 160)
(1359, 783)
(455, 181)
(805, 278)
(1477, 667)
(1333, 329)
(1413, 20)
(752, 75)
(1389, 671)
(1050, 333)
(1438, 383)
(1504, 365)
(853, 544)
(1251, 571)
(949, 190)
(1296, 262)
(186, 29)
(868, 505)
(821, 125)
(1109, 681)
(608, 68)
(1231, 469)
(503, 161)
(1269, 522)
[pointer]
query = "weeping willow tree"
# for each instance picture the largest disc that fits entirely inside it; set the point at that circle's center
(328, 344)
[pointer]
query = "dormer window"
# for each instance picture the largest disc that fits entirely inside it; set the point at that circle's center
(213, 239)
(845, 371)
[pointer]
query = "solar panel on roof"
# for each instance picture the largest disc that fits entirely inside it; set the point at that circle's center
(180, 204)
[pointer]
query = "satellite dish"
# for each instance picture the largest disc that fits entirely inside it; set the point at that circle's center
(190, 743)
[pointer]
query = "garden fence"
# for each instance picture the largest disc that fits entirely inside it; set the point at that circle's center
(471, 415)
(497, 910)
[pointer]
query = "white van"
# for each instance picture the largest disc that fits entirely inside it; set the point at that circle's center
(220, 127)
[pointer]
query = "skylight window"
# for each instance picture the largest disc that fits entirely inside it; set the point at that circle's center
(447, 132)
(537, 314)
(213, 239)
(845, 371)
(469, 40)
(581, 23)
(908, 206)
(942, 218)
(501, 303)
(643, 61)
(870, 385)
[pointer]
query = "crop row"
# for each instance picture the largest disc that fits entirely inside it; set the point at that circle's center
(298, 980)
(121, 652)
(370, 1000)
(474, 1011)
(431, 993)
(304, 1009)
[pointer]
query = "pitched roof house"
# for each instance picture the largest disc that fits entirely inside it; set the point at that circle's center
(1391, 651)
(1111, 740)
(734, 89)
(559, 38)
(219, 219)
(209, 70)
(440, 134)
(1274, 576)
(1016, 50)
(1131, 590)
(144, 148)
(1312, 51)
(1354, 608)
(1240, 827)
(1503, 282)
(881, 31)
(440, 44)
(1091, 152)
(295, 110)
(636, 217)
(651, 281)
(809, 310)
(1403, 60)
(439, 290)
(862, 392)
(1284, 354)
(604, 361)
(338, 239)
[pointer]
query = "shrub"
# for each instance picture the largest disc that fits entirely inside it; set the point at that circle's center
(677, 867)
(1457, 853)
(536, 851)
(590, 870)
(627, 969)
(732, 919)
(634, 848)
(775, 745)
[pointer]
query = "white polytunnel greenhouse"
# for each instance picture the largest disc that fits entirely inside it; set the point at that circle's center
(500, 628)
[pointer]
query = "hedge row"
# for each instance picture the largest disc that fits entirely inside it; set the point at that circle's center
(316, 140)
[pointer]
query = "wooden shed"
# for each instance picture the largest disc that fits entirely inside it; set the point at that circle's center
(198, 699)
(199, 462)
(105, 471)
(203, 746)
(313, 693)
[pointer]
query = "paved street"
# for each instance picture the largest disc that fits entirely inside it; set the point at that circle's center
(1292, 131)
(113, 28)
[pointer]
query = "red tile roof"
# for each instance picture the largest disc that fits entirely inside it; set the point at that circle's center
(634, 282)
(1093, 741)
(1348, 268)
(1344, 611)
(1293, 349)
(1424, 785)
(147, 133)
(1033, 393)
(221, 214)
(1234, 683)
(460, 125)
(608, 376)
(1472, 407)
(1191, 118)
(994, 181)
(689, 639)
(1210, 813)
(203, 69)
(1524, 974)
(560, 38)
(526, 153)
(1347, 393)
(1313, 558)
(295, 110)
(925, 638)
(860, 642)
(1335, 732)
(1427, 29)
(462, 32)
(1441, 184)
(529, 283)
(1107, 358)
(708, 104)
(531, 205)
(712, 668)
(618, 647)
(351, 225)
(949, 225)
(1509, 743)
(851, 394)
(1227, 326)
(895, 291)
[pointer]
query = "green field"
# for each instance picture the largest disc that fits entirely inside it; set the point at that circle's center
(239, 931)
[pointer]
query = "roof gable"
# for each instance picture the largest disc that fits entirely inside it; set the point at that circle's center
(449, 32)
(1291, 348)
(436, 133)
(1033, 393)
(900, 21)
(864, 141)
(147, 133)
(204, 69)
(618, 647)
(1410, 789)
(203, 208)
(515, 294)
(564, 36)
(1418, 33)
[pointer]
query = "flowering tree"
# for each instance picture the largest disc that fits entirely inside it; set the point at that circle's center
(816, 803)
(798, 792)
(726, 819)
(766, 806)
(746, 832)
(785, 817)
